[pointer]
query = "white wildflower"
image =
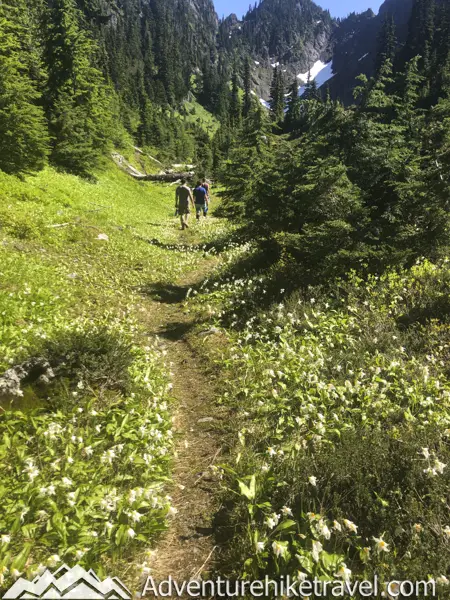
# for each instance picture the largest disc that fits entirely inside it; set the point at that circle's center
(323, 529)
(439, 466)
(279, 549)
(316, 550)
(53, 560)
(350, 526)
(426, 453)
(344, 573)
(381, 545)
(337, 526)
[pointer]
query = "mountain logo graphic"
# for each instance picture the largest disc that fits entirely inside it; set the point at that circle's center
(75, 583)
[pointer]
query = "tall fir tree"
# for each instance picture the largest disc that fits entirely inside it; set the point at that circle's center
(277, 100)
(387, 43)
(294, 106)
(247, 88)
(421, 32)
(23, 129)
(77, 101)
(235, 100)
(311, 91)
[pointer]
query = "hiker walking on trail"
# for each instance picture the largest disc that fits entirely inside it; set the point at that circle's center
(205, 184)
(183, 203)
(201, 200)
(207, 187)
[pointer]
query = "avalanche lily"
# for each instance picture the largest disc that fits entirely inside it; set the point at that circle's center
(381, 545)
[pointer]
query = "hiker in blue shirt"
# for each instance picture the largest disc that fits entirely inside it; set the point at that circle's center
(201, 200)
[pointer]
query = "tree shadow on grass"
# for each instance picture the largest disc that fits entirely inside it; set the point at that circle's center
(220, 244)
(165, 293)
(99, 358)
(176, 331)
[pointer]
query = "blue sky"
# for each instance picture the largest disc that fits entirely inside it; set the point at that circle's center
(338, 8)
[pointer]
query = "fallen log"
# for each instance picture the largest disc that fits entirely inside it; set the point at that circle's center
(164, 177)
(139, 151)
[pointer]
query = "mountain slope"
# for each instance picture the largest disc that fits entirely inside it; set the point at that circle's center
(301, 37)
(294, 34)
(159, 44)
(355, 44)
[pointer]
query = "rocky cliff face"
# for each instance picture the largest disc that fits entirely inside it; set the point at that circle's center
(291, 34)
(299, 36)
(355, 43)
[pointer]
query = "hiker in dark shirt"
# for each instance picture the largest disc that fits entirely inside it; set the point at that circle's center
(207, 187)
(183, 200)
(201, 200)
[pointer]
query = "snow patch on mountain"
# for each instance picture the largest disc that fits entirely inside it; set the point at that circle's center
(320, 72)
(315, 71)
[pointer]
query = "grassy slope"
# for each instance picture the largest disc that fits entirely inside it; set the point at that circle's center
(341, 424)
(50, 225)
(83, 474)
(346, 386)
(196, 113)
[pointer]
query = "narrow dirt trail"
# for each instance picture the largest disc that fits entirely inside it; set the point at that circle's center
(188, 550)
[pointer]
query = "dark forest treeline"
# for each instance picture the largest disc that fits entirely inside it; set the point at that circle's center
(363, 186)
(76, 76)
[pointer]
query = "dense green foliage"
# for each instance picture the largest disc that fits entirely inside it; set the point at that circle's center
(339, 404)
(79, 77)
(85, 396)
(358, 187)
(23, 130)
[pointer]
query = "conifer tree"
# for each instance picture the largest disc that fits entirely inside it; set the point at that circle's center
(247, 160)
(413, 82)
(247, 88)
(311, 91)
(277, 102)
(294, 104)
(77, 100)
(235, 101)
(387, 43)
(23, 129)
(421, 32)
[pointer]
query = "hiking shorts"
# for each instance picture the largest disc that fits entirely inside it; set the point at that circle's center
(201, 208)
(184, 210)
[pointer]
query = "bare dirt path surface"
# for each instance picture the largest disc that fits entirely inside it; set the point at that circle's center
(188, 550)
